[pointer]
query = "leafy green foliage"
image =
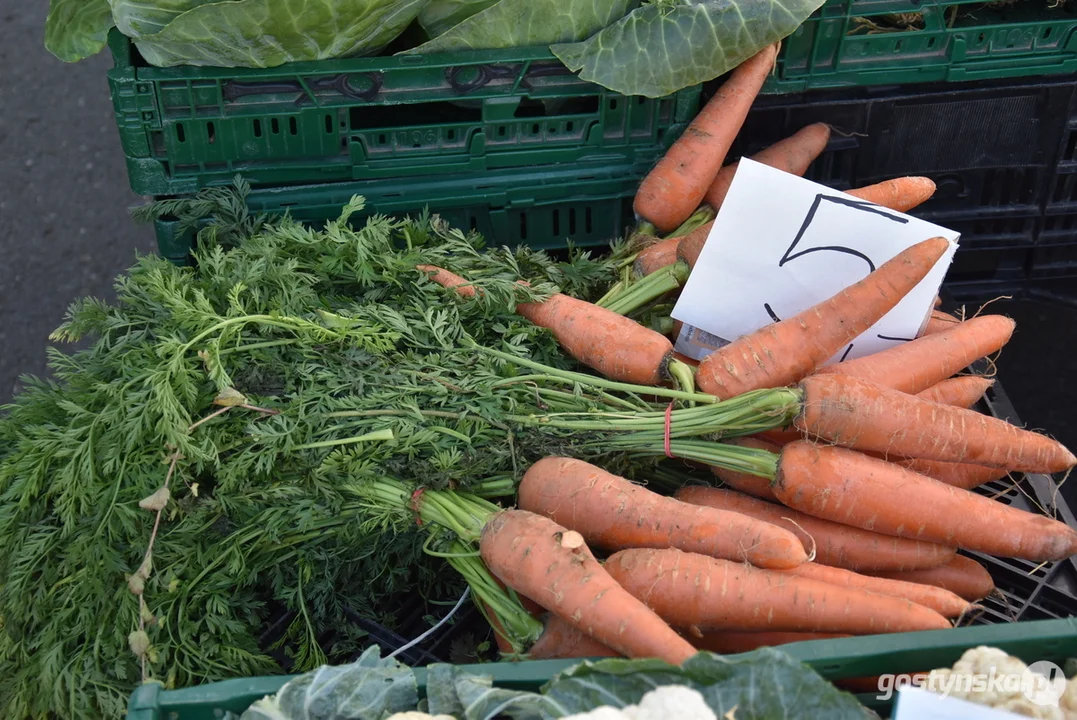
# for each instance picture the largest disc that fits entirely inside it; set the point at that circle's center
(765, 684)
(520, 23)
(336, 332)
(440, 15)
(267, 33)
(77, 29)
(368, 689)
(137, 18)
(666, 46)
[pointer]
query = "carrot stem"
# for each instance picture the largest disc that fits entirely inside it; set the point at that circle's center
(649, 288)
(702, 216)
(733, 457)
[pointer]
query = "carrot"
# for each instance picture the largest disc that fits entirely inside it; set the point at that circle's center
(724, 642)
(964, 391)
(792, 155)
(917, 365)
(560, 640)
(901, 194)
(780, 437)
(612, 513)
(962, 576)
(696, 591)
(834, 544)
(692, 244)
(851, 412)
(782, 353)
(937, 322)
(752, 484)
(448, 279)
(537, 557)
(963, 475)
(656, 257)
(851, 488)
(617, 347)
(942, 601)
(674, 188)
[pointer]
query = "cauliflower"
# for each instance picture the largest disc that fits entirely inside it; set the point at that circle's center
(664, 703)
(989, 676)
(416, 715)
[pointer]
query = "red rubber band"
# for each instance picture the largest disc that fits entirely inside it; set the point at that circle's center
(415, 497)
(669, 418)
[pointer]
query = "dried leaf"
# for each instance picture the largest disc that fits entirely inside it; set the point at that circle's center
(146, 568)
(139, 642)
(230, 397)
(157, 501)
(136, 584)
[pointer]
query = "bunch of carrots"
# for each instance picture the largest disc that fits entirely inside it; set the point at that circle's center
(845, 521)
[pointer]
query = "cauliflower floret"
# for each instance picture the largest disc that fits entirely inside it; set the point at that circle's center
(671, 701)
(664, 703)
(970, 679)
(416, 715)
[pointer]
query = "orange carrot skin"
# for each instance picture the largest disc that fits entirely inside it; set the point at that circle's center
(780, 437)
(672, 191)
(851, 412)
(851, 488)
(782, 353)
(613, 513)
(941, 601)
(448, 279)
(618, 347)
(793, 155)
(836, 545)
(938, 322)
(696, 591)
(692, 244)
(526, 552)
(915, 366)
(752, 484)
(560, 640)
(724, 642)
(964, 391)
(963, 475)
(963, 576)
(655, 257)
(901, 194)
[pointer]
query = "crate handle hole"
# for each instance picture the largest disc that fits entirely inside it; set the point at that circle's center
(381, 138)
(897, 45)
(1046, 33)
(328, 124)
(534, 129)
(980, 39)
(451, 134)
(257, 128)
(211, 133)
(572, 221)
(180, 134)
(501, 131)
(473, 222)
(930, 42)
(588, 226)
(613, 103)
(523, 226)
(274, 126)
(568, 126)
(293, 126)
(556, 222)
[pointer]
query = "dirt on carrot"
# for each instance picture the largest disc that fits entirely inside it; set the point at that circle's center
(534, 556)
(695, 591)
(613, 513)
(834, 544)
(848, 487)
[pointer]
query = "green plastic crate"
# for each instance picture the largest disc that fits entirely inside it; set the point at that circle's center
(947, 41)
(1054, 640)
(587, 204)
(186, 128)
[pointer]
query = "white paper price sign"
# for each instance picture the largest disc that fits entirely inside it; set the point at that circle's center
(781, 244)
